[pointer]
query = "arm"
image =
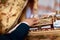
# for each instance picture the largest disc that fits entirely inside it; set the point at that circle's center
(21, 30)
(19, 33)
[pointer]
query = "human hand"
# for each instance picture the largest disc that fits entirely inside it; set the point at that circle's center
(31, 21)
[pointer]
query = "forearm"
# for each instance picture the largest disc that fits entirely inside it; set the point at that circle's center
(19, 33)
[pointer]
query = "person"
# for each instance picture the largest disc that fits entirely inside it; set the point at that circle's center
(20, 31)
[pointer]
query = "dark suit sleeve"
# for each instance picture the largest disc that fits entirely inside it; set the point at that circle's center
(18, 34)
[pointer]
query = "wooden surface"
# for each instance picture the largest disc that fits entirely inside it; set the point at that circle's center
(47, 32)
(44, 35)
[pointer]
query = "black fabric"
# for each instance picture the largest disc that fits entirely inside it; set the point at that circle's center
(18, 34)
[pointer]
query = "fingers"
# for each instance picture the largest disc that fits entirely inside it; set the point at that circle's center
(32, 21)
(35, 22)
(36, 25)
(35, 19)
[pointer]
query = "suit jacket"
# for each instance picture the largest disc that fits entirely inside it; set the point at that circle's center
(18, 34)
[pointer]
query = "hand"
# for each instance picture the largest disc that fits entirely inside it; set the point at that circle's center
(31, 21)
